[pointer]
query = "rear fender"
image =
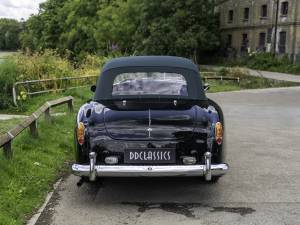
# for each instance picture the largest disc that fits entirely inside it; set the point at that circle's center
(218, 150)
(87, 114)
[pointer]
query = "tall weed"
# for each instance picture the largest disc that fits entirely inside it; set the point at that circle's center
(44, 65)
(8, 74)
(47, 64)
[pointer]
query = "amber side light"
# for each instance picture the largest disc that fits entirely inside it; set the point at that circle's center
(219, 133)
(80, 133)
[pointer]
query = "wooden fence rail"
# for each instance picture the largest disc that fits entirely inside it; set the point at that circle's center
(31, 122)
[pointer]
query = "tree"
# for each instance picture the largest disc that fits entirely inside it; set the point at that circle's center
(116, 25)
(184, 28)
(171, 27)
(43, 30)
(9, 34)
(78, 26)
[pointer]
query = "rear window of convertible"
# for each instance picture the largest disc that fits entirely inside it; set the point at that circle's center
(150, 83)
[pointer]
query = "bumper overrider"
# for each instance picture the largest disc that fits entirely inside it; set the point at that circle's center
(93, 171)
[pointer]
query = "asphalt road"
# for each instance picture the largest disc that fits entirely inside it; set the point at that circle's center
(263, 186)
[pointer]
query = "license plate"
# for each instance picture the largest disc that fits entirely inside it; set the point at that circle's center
(149, 156)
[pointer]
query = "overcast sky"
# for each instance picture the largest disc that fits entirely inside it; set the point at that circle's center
(18, 9)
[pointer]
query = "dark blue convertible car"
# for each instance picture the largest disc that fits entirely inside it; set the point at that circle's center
(150, 117)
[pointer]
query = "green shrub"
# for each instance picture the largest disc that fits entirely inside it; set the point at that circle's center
(44, 65)
(224, 72)
(264, 61)
(8, 73)
(91, 64)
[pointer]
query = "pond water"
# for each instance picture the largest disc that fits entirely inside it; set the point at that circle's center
(3, 54)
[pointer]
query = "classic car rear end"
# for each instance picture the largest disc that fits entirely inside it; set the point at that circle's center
(150, 117)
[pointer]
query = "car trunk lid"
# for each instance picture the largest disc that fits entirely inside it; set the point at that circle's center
(150, 124)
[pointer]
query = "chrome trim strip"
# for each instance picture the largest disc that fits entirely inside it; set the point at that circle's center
(149, 171)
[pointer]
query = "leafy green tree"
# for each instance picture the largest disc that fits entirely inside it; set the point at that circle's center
(186, 28)
(171, 27)
(117, 23)
(9, 34)
(31, 37)
(78, 27)
(43, 30)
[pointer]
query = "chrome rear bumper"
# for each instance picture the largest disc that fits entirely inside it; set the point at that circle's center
(92, 171)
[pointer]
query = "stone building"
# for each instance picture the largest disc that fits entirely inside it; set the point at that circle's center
(251, 25)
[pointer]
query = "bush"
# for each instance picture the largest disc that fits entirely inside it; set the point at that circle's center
(224, 72)
(264, 61)
(47, 64)
(44, 65)
(91, 64)
(8, 73)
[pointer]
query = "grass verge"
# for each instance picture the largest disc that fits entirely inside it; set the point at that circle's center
(247, 82)
(6, 125)
(32, 104)
(37, 163)
(260, 61)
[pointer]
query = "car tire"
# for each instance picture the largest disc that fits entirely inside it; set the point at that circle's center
(214, 180)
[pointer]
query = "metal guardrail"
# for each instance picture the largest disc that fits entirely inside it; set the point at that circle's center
(31, 122)
(214, 76)
(28, 91)
(221, 78)
(27, 84)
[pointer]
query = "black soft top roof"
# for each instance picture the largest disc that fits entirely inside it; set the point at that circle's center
(169, 64)
(150, 61)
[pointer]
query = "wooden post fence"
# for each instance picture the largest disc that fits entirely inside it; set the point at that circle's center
(32, 123)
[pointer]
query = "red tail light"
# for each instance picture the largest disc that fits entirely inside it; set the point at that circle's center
(219, 133)
(80, 133)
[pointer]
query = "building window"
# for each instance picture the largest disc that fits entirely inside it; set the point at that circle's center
(282, 42)
(245, 42)
(246, 14)
(284, 8)
(262, 41)
(230, 16)
(269, 36)
(264, 11)
(229, 41)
